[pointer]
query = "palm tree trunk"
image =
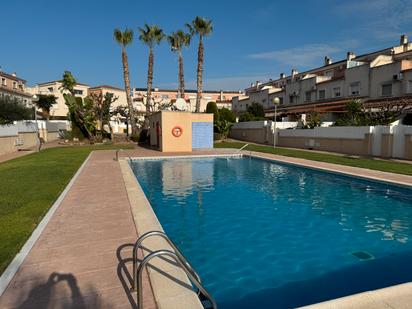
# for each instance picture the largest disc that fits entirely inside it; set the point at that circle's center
(149, 82)
(128, 91)
(199, 74)
(181, 77)
(149, 107)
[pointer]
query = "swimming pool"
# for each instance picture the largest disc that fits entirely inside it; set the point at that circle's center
(270, 235)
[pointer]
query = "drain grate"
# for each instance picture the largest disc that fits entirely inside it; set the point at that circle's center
(363, 255)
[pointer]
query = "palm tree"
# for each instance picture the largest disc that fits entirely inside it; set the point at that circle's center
(177, 41)
(150, 35)
(201, 27)
(125, 38)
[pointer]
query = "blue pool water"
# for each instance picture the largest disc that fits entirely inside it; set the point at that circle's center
(270, 235)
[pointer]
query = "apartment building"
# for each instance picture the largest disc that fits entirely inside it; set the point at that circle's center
(14, 87)
(59, 110)
(118, 93)
(376, 78)
(168, 96)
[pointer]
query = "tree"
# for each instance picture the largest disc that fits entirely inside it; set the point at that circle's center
(12, 109)
(81, 115)
(102, 104)
(150, 35)
(211, 108)
(227, 114)
(68, 82)
(223, 128)
(201, 27)
(256, 110)
(177, 41)
(125, 38)
(45, 102)
(314, 119)
(244, 117)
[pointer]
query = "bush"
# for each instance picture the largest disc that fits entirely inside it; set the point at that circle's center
(314, 119)
(226, 114)
(211, 108)
(246, 117)
(12, 109)
(256, 110)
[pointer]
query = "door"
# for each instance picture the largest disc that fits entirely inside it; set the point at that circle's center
(202, 135)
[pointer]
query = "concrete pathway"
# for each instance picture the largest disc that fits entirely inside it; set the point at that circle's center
(82, 258)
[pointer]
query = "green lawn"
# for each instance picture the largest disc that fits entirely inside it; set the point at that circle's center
(380, 165)
(28, 187)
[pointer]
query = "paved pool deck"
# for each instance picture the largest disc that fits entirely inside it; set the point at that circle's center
(82, 257)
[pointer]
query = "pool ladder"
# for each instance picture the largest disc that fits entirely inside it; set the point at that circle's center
(179, 259)
(116, 158)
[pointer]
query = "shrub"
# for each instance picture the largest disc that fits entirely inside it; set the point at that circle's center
(256, 110)
(211, 107)
(226, 114)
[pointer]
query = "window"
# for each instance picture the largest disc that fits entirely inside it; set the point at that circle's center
(387, 90)
(354, 88)
(14, 85)
(165, 96)
(308, 96)
(291, 99)
(322, 94)
(329, 73)
(77, 91)
(409, 90)
(3, 82)
(336, 92)
(50, 89)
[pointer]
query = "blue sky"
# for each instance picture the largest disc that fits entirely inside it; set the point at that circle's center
(252, 40)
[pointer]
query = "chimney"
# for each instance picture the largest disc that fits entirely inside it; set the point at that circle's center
(350, 56)
(404, 39)
(282, 75)
(328, 60)
(14, 74)
(294, 72)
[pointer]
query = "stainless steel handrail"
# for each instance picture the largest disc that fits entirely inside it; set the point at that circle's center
(117, 155)
(184, 267)
(179, 254)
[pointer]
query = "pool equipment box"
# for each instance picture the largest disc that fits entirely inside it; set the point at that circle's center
(172, 131)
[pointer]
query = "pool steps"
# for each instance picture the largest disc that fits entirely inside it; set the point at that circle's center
(176, 255)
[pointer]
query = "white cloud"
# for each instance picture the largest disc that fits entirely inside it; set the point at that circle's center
(234, 83)
(380, 20)
(302, 56)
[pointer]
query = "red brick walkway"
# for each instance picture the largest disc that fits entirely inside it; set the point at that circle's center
(78, 261)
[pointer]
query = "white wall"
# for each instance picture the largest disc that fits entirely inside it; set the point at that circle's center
(328, 132)
(10, 130)
(263, 124)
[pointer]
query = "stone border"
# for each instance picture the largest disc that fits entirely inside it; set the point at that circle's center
(187, 156)
(333, 168)
(170, 285)
(15, 264)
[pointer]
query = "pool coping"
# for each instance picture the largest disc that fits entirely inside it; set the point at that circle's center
(167, 280)
(332, 168)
